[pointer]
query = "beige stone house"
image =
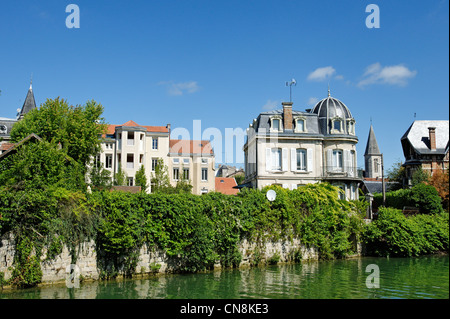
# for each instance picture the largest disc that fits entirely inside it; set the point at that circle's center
(131, 145)
(293, 148)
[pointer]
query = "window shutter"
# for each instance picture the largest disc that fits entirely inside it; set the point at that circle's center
(268, 160)
(329, 160)
(310, 159)
(284, 159)
(346, 161)
(293, 159)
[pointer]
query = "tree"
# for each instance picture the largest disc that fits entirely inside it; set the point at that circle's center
(76, 129)
(120, 178)
(440, 181)
(419, 176)
(99, 177)
(141, 179)
(397, 175)
(160, 178)
(39, 165)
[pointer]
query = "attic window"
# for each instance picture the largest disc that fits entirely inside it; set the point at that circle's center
(275, 124)
(336, 125)
(222, 181)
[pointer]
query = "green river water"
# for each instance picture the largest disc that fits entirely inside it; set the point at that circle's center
(405, 278)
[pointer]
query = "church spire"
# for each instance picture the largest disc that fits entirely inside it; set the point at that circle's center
(29, 103)
(372, 144)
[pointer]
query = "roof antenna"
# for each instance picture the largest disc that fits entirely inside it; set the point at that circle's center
(329, 89)
(290, 84)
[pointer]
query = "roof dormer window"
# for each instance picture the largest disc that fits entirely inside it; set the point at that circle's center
(336, 125)
(276, 124)
(300, 125)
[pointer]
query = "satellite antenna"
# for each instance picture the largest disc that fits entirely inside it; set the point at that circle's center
(271, 195)
(290, 84)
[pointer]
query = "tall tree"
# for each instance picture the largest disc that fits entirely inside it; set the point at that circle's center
(76, 128)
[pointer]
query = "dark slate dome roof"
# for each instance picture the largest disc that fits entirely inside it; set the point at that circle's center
(331, 107)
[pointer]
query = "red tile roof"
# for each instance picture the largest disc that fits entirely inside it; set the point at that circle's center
(225, 185)
(111, 128)
(190, 147)
(6, 146)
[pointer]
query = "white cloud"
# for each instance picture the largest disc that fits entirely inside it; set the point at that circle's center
(312, 101)
(394, 75)
(321, 74)
(270, 105)
(180, 88)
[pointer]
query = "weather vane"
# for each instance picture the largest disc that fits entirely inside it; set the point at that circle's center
(290, 84)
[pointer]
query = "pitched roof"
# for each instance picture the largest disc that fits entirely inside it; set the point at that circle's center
(225, 185)
(418, 135)
(13, 148)
(111, 128)
(190, 147)
(29, 103)
(372, 145)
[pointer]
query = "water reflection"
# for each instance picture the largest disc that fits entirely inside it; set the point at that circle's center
(424, 277)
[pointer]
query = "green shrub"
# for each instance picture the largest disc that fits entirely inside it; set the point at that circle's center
(393, 234)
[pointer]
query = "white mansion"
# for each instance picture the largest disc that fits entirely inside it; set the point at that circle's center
(293, 148)
(131, 145)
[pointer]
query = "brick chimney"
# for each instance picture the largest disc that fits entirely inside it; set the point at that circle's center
(432, 137)
(287, 115)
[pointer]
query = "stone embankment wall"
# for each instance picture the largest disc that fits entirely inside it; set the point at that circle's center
(151, 260)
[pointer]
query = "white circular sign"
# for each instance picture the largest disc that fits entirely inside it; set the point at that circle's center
(271, 195)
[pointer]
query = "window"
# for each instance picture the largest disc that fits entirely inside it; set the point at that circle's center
(130, 140)
(276, 159)
(204, 161)
(154, 164)
(300, 125)
(301, 159)
(186, 161)
(154, 143)
(375, 165)
(176, 173)
(108, 162)
(275, 124)
(130, 181)
(204, 174)
(351, 127)
(130, 161)
(337, 160)
(141, 159)
(185, 173)
(176, 161)
(337, 125)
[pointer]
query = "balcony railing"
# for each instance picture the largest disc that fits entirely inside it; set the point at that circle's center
(343, 171)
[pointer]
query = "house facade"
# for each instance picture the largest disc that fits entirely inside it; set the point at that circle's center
(294, 148)
(425, 144)
(130, 146)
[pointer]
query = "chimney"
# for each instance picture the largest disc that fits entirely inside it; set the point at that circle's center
(432, 137)
(168, 127)
(287, 115)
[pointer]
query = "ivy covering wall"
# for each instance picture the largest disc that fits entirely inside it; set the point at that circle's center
(197, 231)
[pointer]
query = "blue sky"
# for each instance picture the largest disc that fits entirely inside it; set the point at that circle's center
(224, 62)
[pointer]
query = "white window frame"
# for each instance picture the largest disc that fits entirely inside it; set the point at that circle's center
(341, 121)
(280, 128)
(154, 143)
(297, 119)
(276, 158)
(108, 160)
(204, 176)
